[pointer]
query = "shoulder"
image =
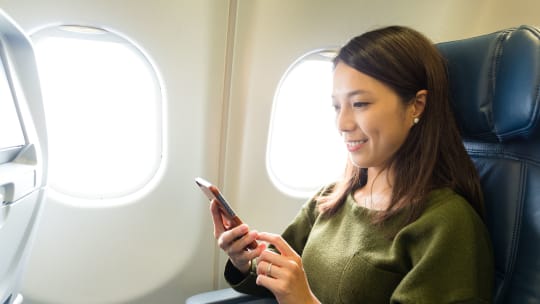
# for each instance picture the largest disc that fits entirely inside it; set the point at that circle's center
(448, 215)
(448, 250)
(446, 205)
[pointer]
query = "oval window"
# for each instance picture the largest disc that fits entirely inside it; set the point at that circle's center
(304, 149)
(103, 104)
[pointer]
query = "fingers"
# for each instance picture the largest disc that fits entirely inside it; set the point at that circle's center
(236, 239)
(268, 269)
(234, 242)
(281, 245)
(268, 273)
(219, 228)
(272, 265)
(283, 275)
(277, 273)
(267, 279)
(217, 218)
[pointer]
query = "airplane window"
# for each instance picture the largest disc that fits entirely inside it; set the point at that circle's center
(103, 105)
(304, 149)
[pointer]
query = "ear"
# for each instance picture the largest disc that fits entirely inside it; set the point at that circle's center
(419, 103)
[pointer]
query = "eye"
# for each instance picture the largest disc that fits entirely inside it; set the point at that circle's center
(360, 104)
(336, 107)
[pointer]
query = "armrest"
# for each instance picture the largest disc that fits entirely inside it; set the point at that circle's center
(227, 296)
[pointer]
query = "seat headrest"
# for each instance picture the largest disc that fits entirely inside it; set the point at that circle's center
(495, 82)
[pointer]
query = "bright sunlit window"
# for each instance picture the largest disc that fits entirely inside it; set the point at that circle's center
(304, 149)
(103, 105)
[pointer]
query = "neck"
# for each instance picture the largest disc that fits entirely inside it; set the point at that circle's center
(379, 180)
(377, 191)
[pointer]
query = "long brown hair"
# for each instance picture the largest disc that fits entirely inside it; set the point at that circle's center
(433, 155)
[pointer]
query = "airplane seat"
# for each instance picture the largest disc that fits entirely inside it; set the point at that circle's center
(495, 91)
(494, 83)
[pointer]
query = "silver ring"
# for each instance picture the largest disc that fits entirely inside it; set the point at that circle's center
(269, 270)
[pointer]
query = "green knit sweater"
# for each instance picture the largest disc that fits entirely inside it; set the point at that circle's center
(443, 257)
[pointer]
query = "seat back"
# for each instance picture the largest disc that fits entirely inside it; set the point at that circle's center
(495, 91)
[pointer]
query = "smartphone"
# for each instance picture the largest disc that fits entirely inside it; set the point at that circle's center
(212, 192)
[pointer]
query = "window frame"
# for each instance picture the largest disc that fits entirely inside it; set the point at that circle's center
(149, 179)
(324, 54)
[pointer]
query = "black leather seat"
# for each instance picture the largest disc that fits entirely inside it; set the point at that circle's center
(495, 86)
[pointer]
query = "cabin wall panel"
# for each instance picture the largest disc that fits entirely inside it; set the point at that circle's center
(159, 248)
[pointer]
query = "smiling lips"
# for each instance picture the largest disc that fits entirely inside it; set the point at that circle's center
(353, 146)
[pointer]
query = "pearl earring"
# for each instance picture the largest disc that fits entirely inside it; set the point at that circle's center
(416, 120)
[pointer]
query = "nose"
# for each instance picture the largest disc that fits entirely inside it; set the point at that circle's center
(345, 120)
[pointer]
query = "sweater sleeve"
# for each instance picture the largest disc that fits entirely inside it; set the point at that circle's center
(297, 233)
(448, 251)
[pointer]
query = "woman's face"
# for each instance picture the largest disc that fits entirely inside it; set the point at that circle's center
(370, 116)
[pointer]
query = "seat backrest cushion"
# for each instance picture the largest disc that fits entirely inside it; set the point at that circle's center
(495, 92)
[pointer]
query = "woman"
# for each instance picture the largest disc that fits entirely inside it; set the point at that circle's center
(404, 225)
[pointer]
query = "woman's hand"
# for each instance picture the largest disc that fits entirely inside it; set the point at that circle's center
(283, 274)
(235, 240)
